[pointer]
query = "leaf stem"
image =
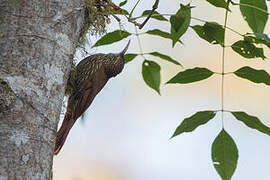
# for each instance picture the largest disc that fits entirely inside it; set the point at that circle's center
(225, 27)
(194, 18)
(137, 34)
(139, 42)
(223, 64)
(223, 73)
(222, 111)
(199, 19)
(142, 16)
(236, 32)
(134, 8)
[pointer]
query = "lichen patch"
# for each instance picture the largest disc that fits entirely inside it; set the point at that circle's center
(25, 158)
(64, 41)
(19, 138)
(54, 75)
(20, 83)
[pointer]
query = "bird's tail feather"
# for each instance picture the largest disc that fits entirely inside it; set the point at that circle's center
(62, 133)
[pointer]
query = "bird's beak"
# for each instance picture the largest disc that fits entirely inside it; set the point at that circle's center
(125, 49)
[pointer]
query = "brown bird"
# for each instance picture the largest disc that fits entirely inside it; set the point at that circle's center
(84, 83)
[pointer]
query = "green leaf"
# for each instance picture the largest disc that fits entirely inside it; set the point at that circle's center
(165, 57)
(224, 155)
(258, 38)
(255, 18)
(130, 57)
(252, 122)
(151, 74)
(256, 76)
(200, 32)
(247, 49)
(263, 38)
(218, 3)
(180, 22)
(122, 3)
(191, 75)
(155, 15)
(112, 37)
(211, 32)
(160, 33)
(191, 123)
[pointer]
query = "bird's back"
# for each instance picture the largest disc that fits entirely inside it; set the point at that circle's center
(87, 80)
(88, 85)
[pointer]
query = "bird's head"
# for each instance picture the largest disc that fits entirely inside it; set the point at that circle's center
(122, 53)
(120, 57)
(116, 62)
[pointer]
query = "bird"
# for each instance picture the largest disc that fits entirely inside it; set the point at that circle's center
(85, 81)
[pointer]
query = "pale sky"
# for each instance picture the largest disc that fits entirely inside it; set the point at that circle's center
(126, 131)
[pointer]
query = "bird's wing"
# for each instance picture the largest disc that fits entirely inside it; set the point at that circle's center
(78, 103)
(87, 68)
(86, 93)
(90, 79)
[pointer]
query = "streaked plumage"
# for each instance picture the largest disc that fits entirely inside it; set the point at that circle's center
(88, 78)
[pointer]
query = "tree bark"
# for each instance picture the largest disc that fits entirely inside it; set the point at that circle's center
(37, 41)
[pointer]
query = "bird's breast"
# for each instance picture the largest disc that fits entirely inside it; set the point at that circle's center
(114, 70)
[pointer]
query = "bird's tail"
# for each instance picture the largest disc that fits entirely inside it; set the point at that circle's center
(62, 133)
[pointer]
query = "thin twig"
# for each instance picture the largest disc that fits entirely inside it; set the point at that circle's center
(116, 18)
(155, 6)
(132, 20)
(139, 42)
(134, 8)
(223, 64)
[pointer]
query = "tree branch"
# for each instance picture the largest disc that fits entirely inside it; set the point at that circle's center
(155, 6)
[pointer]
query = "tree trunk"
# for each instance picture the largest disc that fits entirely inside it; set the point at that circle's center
(37, 42)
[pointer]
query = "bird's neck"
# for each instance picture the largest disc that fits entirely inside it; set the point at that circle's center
(114, 67)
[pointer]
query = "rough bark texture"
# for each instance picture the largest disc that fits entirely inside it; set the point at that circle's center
(37, 42)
